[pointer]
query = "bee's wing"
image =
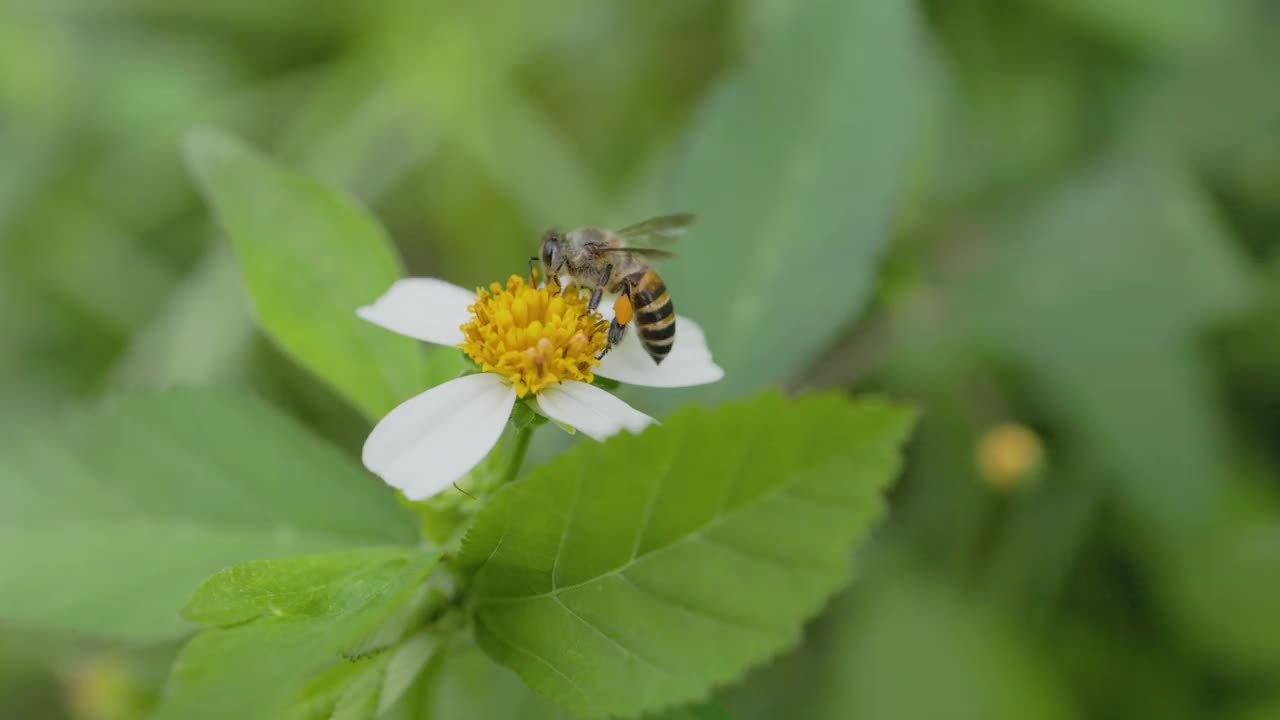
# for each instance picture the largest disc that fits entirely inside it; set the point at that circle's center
(660, 229)
(653, 255)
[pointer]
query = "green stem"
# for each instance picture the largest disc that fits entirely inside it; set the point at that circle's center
(523, 436)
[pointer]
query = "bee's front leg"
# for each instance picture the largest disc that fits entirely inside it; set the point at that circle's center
(599, 291)
(533, 271)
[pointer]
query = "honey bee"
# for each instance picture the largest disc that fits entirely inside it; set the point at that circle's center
(621, 262)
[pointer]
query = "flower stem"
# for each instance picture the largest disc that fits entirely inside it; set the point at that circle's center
(523, 435)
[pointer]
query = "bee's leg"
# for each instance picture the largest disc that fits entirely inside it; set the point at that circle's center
(621, 316)
(616, 329)
(533, 272)
(599, 291)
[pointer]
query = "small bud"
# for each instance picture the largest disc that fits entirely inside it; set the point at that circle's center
(102, 688)
(1008, 455)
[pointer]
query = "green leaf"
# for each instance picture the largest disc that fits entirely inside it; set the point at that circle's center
(702, 711)
(467, 684)
(364, 690)
(345, 684)
(110, 518)
(293, 587)
(311, 255)
(634, 575)
(795, 170)
(404, 667)
(285, 621)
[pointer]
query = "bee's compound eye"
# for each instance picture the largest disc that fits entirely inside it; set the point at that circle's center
(550, 246)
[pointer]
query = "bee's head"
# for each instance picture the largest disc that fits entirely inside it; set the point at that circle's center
(552, 252)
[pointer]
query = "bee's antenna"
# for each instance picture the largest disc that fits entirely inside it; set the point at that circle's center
(464, 492)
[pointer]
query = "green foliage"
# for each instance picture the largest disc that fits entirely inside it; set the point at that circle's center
(793, 229)
(1224, 585)
(203, 335)
(366, 689)
(294, 587)
(346, 689)
(1154, 25)
(977, 667)
(1267, 708)
(702, 711)
(110, 518)
(1096, 186)
(907, 645)
(1083, 340)
(276, 623)
(465, 683)
(310, 256)
(634, 575)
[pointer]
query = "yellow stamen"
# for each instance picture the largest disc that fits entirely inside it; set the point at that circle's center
(534, 336)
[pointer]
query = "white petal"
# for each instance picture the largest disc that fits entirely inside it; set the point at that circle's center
(606, 307)
(537, 409)
(688, 364)
(431, 440)
(422, 308)
(595, 412)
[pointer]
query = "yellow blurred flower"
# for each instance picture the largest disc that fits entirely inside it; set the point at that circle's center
(103, 688)
(1009, 455)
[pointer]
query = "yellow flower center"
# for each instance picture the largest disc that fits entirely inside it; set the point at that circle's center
(535, 337)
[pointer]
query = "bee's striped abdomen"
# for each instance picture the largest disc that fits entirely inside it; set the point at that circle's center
(655, 316)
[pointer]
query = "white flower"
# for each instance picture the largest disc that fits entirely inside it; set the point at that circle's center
(529, 342)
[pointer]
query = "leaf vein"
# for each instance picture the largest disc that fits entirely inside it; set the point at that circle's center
(564, 531)
(825, 504)
(653, 499)
(550, 665)
(694, 609)
(788, 565)
(692, 536)
(616, 642)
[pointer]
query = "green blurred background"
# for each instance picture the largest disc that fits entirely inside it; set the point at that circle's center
(1068, 223)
